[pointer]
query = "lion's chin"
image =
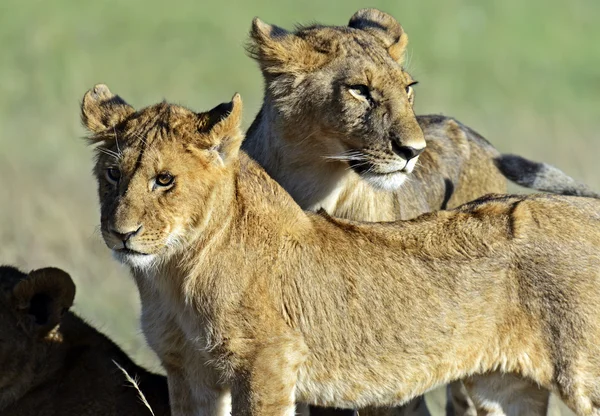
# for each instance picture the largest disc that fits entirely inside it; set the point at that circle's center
(135, 260)
(385, 181)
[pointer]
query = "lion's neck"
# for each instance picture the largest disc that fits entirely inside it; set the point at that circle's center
(250, 208)
(301, 171)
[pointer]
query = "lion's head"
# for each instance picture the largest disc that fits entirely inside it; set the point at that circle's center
(159, 171)
(31, 307)
(344, 92)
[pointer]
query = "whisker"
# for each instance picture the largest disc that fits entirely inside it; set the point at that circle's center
(347, 156)
(117, 141)
(139, 137)
(343, 158)
(109, 153)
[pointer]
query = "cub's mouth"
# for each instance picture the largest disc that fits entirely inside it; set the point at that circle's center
(130, 252)
(133, 258)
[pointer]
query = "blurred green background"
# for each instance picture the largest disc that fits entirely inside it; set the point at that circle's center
(525, 74)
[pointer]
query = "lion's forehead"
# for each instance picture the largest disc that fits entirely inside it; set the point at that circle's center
(354, 46)
(374, 63)
(149, 149)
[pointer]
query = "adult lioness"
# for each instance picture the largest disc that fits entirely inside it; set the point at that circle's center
(242, 289)
(54, 364)
(337, 130)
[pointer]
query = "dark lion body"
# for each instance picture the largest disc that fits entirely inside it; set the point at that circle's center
(55, 364)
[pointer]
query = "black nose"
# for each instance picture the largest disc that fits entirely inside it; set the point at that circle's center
(124, 236)
(406, 152)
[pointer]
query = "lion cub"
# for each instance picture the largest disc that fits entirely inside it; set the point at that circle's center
(242, 291)
(54, 364)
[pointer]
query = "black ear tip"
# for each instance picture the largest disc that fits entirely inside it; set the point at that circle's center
(215, 115)
(223, 109)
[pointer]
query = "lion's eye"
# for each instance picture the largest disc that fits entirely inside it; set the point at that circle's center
(113, 174)
(164, 179)
(360, 92)
(409, 88)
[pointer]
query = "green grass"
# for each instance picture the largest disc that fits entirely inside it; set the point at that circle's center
(523, 73)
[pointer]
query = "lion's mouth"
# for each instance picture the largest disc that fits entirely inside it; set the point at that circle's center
(130, 252)
(362, 167)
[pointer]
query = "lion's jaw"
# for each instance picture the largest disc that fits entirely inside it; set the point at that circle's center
(315, 182)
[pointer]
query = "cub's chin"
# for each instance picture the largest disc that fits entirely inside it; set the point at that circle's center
(135, 259)
(385, 181)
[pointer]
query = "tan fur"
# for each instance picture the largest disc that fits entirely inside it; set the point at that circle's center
(243, 290)
(330, 150)
(311, 130)
(54, 364)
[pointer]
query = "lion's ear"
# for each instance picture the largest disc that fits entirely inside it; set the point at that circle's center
(101, 109)
(385, 28)
(223, 123)
(44, 296)
(279, 51)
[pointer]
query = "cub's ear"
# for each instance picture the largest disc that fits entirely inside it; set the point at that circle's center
(223, 124)
(44, 296)
(101, 109)
(278, 51)
(385, 28)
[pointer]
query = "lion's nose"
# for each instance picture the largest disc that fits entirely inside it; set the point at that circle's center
(125, 235)
(406, 152)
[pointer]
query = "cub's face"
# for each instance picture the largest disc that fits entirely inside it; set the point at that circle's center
(158, 172)
(342, 93)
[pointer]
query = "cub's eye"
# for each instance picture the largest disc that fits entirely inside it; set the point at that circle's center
(360, 92)
(164, 179)
(409, 88)
(113, 174)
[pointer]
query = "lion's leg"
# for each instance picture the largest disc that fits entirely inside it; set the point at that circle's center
(459, 402)
(180, 394)
(330, 411)
(580, 391)
(194, 391)
(268, 388)
(499, 394)
(415, 407)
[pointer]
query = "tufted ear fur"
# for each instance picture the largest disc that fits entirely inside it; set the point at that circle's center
(101, 109)
(44, 295)
(223, 124)
(385, 28)
(279, 51)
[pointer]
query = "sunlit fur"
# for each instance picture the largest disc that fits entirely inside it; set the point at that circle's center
(313, 125)
(278, 305)
(312, 128)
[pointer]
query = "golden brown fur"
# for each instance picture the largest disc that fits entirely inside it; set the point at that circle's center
(54, 364)
(243, 290)
(330, 147)
(325, 145)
